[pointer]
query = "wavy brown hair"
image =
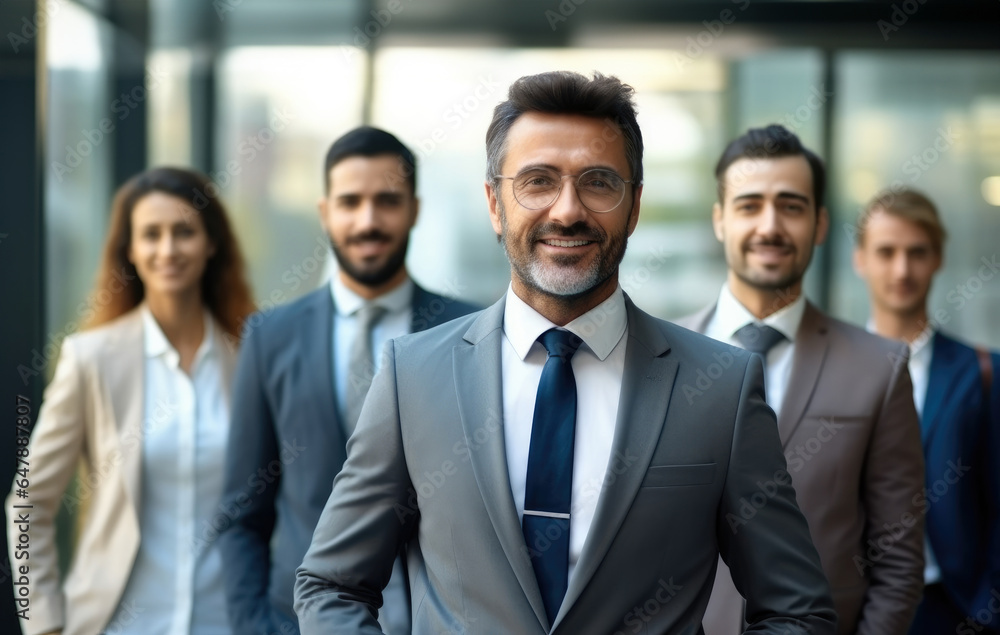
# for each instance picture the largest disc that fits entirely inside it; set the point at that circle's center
(224, 289)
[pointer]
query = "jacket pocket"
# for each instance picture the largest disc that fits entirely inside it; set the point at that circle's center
(678, 475)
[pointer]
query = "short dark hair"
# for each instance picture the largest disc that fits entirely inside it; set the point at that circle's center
(772, 142)
(367, 141)
(565, 92)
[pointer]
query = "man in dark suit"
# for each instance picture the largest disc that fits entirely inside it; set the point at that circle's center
(899, 248)
(538, 459)
(842, 396)
(303, 373)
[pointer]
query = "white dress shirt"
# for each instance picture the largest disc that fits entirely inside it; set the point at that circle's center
(921, 352)
(176, 586)
(730, 316)
(597, 366)
(397, 321)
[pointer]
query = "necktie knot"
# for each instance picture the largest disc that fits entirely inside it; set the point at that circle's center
(560, 343)
(758, 338)
(369, 315)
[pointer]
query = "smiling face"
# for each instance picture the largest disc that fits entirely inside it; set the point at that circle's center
(563, 251)
(368, 214)
(898, 261)
(768, 225)
(169, 246)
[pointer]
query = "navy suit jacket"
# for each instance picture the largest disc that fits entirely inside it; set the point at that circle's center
(961, 438)
(286, 446)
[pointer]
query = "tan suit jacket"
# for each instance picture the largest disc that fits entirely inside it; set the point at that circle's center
(91, 418)
(851, 438)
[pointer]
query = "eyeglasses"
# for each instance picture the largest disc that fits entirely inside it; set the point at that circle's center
(599, 190)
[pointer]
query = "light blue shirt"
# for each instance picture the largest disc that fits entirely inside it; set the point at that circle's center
(397, 321)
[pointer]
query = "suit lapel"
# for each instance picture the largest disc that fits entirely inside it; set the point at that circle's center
(317, 354)
(941, 377)
(478, 383)
(811, 345)
(646, 388)
(698, 322)
(125, 369)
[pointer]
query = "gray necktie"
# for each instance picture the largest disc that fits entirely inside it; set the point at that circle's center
(759, 338)
(362, 366)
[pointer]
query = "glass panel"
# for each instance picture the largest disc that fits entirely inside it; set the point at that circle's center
(279, 109)
(930, 122)
(78, 174)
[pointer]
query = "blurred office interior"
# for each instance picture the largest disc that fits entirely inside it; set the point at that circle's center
(253, 92)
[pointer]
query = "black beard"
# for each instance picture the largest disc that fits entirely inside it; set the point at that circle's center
(373, 277)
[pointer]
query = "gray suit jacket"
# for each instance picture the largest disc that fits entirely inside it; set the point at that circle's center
(851, 437)
(286, 446)
(426, 467)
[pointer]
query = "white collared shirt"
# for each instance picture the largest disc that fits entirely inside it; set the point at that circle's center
(730, 316)
(597, 366)
(921, 351)
(919, 365)
(176, 584)
(397, 321)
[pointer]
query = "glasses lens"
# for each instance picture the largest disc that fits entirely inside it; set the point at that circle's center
(536, 189)
(600, 190)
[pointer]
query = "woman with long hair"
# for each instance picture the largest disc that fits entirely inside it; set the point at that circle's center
(140, 404)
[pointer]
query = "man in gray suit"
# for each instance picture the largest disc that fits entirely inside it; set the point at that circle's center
(538, 459)
(842, 396)
(303, 372)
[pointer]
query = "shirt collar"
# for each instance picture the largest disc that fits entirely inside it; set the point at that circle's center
(600, 328)
(731, 315)
(920, 345)
(155, 343)
(348, 302)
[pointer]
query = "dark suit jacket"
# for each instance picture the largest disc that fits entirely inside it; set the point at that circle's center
(961, 436)
(286, 446)
(852, 440)
(426, 467)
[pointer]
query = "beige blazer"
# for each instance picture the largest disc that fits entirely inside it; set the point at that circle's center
(851, 438)
(91, 418)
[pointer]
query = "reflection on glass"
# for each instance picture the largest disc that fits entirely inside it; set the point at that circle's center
(929, 121)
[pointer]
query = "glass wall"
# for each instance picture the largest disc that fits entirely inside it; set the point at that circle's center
(78, 164)
(278, 108)
(929, 122)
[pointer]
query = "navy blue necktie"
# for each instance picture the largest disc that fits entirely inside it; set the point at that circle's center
(549, 487)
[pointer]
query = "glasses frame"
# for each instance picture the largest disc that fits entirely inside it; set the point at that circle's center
(559, 190)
